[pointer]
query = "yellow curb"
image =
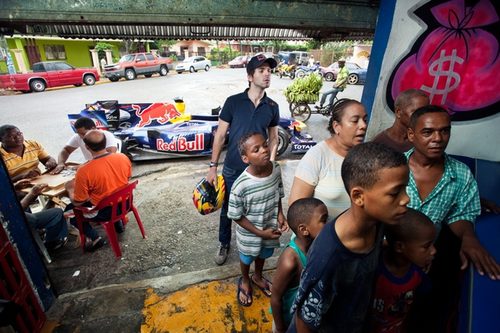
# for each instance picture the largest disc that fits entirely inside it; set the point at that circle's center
(206, 307)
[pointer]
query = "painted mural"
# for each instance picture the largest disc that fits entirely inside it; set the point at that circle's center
(456, 60)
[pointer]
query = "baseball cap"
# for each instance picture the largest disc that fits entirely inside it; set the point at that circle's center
(258, 61)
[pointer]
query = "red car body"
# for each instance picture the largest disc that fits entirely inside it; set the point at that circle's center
(240, 61)
(49, 74)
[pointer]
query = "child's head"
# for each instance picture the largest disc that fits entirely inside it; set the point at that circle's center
(254, 149)
(413, 238)
(306, 217)
(375, 177)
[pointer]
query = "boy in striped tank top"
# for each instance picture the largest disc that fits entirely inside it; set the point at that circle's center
(255, 205)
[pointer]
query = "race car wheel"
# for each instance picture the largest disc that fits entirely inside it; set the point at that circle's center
(207, 68)
(89, 80)
(329, 77)
(114, 79)
(301, 112)
(163, 71)
(130, 74)
(283, 141)
(191, 69)
(37, 85)
(352, 78)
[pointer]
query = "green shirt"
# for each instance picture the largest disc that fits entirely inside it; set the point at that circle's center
(455, 197)
(342, 77)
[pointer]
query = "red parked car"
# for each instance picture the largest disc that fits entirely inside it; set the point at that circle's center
(240, 61)
(49, 74)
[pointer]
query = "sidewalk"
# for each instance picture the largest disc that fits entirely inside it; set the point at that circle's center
(166, 283)
(203, 301)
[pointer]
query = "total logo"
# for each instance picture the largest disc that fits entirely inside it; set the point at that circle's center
(181, 144)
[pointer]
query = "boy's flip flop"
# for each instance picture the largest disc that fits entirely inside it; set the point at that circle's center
(267, 289)
(248, 295)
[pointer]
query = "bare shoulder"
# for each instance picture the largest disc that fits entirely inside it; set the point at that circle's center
(288, 261)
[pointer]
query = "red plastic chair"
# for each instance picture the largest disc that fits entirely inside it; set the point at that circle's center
(122, 197)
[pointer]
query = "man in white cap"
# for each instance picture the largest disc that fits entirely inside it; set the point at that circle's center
(249, 111)
(339, 85)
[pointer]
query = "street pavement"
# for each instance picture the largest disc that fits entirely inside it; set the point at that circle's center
(168, 282)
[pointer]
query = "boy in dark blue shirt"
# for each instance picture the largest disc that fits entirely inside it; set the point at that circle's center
(336, 285)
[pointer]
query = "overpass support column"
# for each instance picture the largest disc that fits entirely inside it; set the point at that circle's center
(95, 60)
(109, 57)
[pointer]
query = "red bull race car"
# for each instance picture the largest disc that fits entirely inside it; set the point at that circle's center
(163, 130)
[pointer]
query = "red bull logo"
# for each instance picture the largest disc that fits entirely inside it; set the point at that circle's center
(160, 112)
(181, 144)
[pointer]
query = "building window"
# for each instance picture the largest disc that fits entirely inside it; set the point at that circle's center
(201, 51)
(55, 52)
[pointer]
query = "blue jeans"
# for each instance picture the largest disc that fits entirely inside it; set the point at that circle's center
(230, 176)
(333, 93)
(103, 215)
(52, 220)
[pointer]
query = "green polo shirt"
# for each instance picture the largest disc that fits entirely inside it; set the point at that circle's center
(455, 197)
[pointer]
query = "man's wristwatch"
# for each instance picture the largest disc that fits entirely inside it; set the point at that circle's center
(213, 164)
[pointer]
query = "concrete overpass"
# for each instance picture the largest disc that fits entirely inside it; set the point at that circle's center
(324, 20)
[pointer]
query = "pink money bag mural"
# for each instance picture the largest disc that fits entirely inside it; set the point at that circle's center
(456, 60)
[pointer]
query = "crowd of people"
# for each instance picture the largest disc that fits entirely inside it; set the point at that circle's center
(381, 230)
(105, 171)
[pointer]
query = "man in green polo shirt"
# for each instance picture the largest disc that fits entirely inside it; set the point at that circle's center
(445, 190)
(339, 85)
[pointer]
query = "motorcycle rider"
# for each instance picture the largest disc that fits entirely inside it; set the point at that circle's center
(249, 111)
(339, 85)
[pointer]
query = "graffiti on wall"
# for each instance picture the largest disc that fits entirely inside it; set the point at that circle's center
(456, 60)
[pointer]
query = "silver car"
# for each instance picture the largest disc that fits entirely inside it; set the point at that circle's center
(193, 64)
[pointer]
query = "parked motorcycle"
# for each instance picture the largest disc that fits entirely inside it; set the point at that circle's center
(302, 71)
(163, 130)
(286, 70)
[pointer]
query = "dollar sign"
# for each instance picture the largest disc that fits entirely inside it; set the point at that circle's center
(437, 71)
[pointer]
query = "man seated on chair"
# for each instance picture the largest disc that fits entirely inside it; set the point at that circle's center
(82, 126)
(52, 219)
(96, 179)
(21, 156)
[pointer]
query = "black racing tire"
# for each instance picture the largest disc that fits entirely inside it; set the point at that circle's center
(353, 78)
(89, 80)
(114, 79)
(130, 74)
(191, 69)
(301, 112)
(207, 68)
(148, 75)
(329, 76)
(163, 70)
(37, 85)
(283, 141)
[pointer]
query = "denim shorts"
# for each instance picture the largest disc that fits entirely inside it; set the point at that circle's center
(265, 253)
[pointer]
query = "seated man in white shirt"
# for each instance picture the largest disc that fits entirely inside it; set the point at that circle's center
(82, 126)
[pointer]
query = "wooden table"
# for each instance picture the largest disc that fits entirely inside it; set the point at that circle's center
(55, 186)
